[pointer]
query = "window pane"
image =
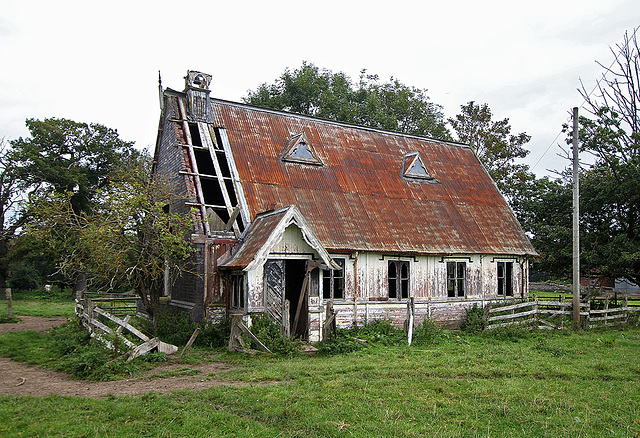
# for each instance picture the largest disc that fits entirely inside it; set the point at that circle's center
(392, 288)
(451, 288)
(326, 287)
(338, 288)
(451, 269)
(393, 270)
(461, 269)
(461, 287)
(405, 288)
(404, 270)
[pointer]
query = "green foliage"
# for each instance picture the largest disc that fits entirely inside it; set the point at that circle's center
(321, 93)
(494, 145)
(610, 188)
(214, 335)
(24, 277)
(428, 332)
(174, 326)
(342, 343)
(474, 322)
(373, 333)
(9, 320)
(69, 156)
(268, 332)
(56, 293)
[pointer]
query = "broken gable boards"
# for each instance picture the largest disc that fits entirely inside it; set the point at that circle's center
(276, 195)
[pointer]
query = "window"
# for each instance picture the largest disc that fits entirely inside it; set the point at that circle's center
(333, 282)
(505, 275)
(398, 279)
(237, 291)
(413, 168)
(456, 276)
(299, 150)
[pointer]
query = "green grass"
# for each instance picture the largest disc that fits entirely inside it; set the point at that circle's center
(553, 384)
(40, 303)
(44, 308)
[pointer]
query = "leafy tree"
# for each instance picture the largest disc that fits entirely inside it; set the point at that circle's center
(317, 92)
(68, 157)
(494, 145)
(129, 238)
(610, 188)
(543, 207)
(11, 219)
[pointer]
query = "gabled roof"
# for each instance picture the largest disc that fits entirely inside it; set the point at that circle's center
(359, 199)
(265, 232)
(367, 189)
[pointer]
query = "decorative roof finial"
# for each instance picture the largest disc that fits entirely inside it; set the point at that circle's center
(160, 91)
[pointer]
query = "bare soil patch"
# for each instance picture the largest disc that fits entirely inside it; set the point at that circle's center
(36, 323)
(17, 378)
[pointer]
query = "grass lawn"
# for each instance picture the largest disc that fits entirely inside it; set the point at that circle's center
(553, 384)
(46, 308)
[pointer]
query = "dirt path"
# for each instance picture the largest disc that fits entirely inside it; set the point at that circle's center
(17, 378)
(32, 323)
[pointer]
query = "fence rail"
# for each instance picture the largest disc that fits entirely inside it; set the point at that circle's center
(546, 314)
(108, 328)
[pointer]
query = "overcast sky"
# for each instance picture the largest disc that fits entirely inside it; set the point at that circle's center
(99, 62)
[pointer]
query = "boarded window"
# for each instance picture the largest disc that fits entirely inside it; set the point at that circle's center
(505, 279)
(333, 282)
(398, 279)
(456, 279)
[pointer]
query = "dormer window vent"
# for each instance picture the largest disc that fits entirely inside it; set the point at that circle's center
(299, 150)
(413, 168)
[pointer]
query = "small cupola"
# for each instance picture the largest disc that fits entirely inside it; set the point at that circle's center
(197, 91)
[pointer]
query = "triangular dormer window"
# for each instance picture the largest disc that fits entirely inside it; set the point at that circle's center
(299, 150)
(413, 167)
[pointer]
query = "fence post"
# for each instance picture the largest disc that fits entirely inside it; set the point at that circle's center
(625, 306)
(536, 315)
(9, 302)
(587, 320)
(606, 312)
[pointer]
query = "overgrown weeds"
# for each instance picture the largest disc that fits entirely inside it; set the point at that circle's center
(268, 332)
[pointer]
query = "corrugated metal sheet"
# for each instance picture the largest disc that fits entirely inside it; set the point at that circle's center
(358, 200)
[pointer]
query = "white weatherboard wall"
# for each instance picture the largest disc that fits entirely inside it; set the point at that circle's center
(427, 285)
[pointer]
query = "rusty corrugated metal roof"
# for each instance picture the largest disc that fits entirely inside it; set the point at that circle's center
(359, 200)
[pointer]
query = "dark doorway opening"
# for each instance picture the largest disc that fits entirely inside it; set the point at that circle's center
(294, 280)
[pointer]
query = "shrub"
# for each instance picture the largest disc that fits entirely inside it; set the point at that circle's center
(214, 335)
(268, 332)
(474, 322)
(428, 332)
(342, 343)
(174, 326)
(24, 277)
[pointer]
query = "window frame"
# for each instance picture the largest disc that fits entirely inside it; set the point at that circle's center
(237, 292)
(334, 281)
(458, 281)
(505, 281)
(401, 283)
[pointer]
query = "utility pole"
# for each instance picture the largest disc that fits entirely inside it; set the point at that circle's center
(576, 224)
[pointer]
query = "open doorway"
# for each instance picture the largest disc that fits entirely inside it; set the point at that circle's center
(295, 271)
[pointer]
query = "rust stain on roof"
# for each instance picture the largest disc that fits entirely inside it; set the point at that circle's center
(359, 200)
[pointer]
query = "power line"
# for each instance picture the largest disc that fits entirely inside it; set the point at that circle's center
(584, 100)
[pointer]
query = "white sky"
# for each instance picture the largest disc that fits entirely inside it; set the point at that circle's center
(99, 62)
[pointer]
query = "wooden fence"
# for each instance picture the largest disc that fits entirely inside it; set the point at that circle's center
(109, 329)
(545, 314)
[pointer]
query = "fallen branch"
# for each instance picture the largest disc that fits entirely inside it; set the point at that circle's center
(22, 383)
